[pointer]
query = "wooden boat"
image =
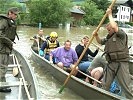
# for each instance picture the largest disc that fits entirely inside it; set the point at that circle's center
(82, 88)
(20, 78)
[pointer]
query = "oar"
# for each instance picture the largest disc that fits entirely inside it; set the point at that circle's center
(40, 26)
(104, 17)
(15, 69)
(98, 47)
(38, 45)
(90, 77)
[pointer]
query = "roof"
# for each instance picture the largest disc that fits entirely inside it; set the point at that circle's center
(120, 1)
(77, 10)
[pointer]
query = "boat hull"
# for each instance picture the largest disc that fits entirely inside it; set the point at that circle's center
(28, 75)
(82, 88)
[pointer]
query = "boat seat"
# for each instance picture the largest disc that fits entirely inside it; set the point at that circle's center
(13, 65)
(11, 55)
(10, 84)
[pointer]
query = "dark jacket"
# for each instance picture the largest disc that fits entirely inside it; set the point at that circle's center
(8, 30)
(79, 49)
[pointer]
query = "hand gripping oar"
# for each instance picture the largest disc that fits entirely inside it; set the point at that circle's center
(104, 17)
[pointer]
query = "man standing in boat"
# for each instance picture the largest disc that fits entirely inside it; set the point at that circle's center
(117, 55)
(48, 45)
(7, 35)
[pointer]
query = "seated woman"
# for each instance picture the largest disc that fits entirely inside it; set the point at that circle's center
(85, 61)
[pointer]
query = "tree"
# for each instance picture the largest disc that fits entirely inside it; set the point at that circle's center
(6, 4)
(130, 3)
(102, 4)
(49, 12)
(93, 14)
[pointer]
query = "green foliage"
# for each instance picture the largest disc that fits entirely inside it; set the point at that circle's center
(93, 14)
(130, 23)
(6, 4)
(54, 12)
(102, 4)
(49, 12)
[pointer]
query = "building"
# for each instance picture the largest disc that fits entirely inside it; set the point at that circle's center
(125, 10)
(123, 14)
(77, 15)
(123, 7)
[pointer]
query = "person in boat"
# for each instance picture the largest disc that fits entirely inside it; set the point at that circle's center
(7, 37)
(85, 61)
(117, 56)
(96, 70)
(48, 45)
(38, 41)
(65, 57)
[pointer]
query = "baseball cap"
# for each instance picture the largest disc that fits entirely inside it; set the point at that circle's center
(13, 10)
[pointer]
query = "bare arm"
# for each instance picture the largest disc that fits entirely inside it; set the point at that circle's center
(111, 20)
(97, 37)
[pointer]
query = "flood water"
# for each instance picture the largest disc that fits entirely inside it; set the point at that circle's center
(48, 85)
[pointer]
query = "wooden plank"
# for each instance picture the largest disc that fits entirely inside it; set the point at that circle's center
(20, 87)
(13, 65)
(10, 84)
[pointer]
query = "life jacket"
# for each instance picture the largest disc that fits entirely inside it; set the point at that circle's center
(116, 49)
(9, 30)
(51, 46)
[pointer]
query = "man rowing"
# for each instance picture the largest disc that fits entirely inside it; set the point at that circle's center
(117, 55)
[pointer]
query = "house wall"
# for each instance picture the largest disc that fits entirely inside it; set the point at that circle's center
(77, 16)
(123, 14)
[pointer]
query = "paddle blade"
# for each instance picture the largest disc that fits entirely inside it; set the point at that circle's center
(62, 88)
(15, 71)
